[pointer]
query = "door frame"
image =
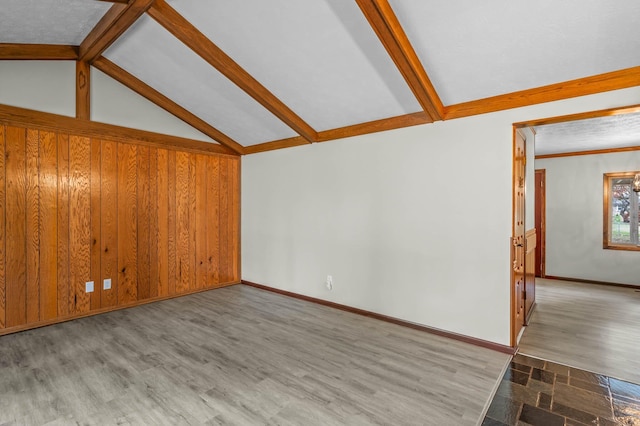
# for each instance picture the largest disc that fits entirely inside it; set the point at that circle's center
(539, 122)
(515, 327)
(542, 231)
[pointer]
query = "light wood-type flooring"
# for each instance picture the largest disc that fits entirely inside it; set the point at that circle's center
(592, 327)
(244, 356)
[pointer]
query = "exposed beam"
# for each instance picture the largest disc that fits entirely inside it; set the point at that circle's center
(184, 31)
(398, 122)
(279, 144)
(83, 90)
(133, 83)
(115, 22)
(47, 121)
(414, 119)
(37, 51)
(615, 80)
(386, 25)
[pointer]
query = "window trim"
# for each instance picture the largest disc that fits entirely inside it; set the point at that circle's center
(606, 212)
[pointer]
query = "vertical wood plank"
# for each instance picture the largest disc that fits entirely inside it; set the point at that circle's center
(213, 221)
(235, 217)
(201, 220)
(143, 222)
(109, 221)
(33, 227)
(171, 221)
(96, 245)
(80, 220)
(192, 221)
(16, 278)
(48, 225)
(182, 222)
(224, 220)
(153, 223)
(163, 264)
(3, 212)
(65, 296)
(127, 224)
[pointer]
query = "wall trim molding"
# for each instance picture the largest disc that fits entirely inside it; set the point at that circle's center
(39, 324)
(590, 152)
(582, 280)
(432, 330)
(23, 117)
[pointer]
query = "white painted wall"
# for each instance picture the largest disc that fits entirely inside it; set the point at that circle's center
(574, 219)
(412, 223)
(49, 86)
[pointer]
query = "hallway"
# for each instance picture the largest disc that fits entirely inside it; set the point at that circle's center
(591, 327)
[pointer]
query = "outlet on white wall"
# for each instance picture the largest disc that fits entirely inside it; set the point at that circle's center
(89, 287)
(106, 284)
(329, 282)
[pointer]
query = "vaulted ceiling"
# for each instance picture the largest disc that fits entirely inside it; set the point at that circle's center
(256, 75)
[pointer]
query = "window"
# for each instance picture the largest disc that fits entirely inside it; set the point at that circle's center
(621, 212)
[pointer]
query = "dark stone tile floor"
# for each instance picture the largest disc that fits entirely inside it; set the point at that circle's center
(535, 392)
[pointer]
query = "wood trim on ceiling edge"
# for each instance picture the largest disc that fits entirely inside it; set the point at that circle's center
(37, 52)
(399, 122)
(12, 115)
(72, 317)
(432, 330)
(591, 152)
(621, 79)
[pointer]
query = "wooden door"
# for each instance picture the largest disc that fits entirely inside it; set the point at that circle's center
(541, 221)
(518, 238)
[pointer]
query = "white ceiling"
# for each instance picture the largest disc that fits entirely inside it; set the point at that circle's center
(49, 21)
(319, 57)
(324, 61)
(476, 49)
(154, 56)
(614, 131)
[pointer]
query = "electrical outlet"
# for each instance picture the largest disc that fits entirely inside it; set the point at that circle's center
(106, 285)
(329, 282)
(89, 287)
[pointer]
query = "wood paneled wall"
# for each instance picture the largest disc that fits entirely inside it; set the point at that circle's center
(157, 222)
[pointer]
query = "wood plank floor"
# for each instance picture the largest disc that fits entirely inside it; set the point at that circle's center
(240, 355)
(592, 327)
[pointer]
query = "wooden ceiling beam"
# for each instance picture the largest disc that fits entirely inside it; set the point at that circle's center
(279, 144)
(388, 29)
(398, 122)
(83, 90)
(184, 31)
(112, 25)
(151, 94)
(17, 51)
(615, 80)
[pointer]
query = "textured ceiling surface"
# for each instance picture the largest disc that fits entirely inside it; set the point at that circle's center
(323, 60)
(154, 56)
(475, 49)
(614, 131)
(49, 21)
(321, 57)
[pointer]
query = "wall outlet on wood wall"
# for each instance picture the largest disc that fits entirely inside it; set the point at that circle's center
(89, 287)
